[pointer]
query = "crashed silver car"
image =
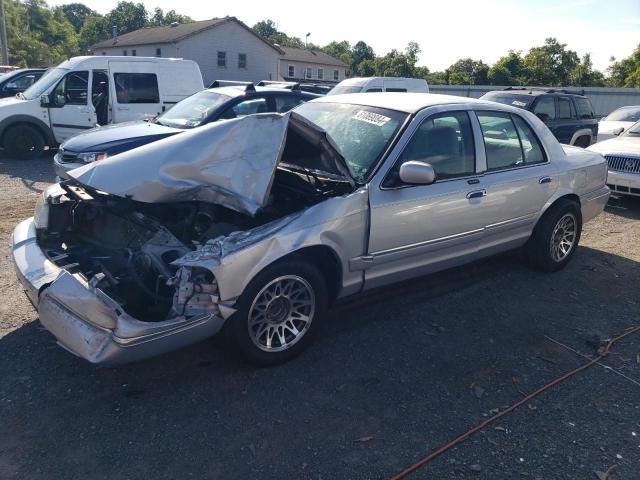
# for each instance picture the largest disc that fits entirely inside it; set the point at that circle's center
(258, 224)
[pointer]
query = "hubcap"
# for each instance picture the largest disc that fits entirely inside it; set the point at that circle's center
(563, 237)
(281, 313)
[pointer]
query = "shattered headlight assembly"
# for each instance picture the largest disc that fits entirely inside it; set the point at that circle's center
(89, 157)
(51, 195)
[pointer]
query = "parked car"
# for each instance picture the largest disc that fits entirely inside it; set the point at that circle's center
(84, 92)
(199, 109)
(569, 115)
(4, 69)
(259, 223)
(18, 81)
(617, 121)
(623, 157)
(319, 88)
(380, 84)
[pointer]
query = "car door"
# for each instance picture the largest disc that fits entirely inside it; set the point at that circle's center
(519, 179)
(135, 90)
(416, 229)
(70, 111)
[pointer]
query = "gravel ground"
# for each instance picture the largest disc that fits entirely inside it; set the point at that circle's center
(395, 375)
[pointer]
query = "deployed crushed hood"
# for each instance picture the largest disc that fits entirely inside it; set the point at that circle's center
(230, 163)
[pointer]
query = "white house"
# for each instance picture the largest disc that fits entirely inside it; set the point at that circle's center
(225, 48)
(306, 65)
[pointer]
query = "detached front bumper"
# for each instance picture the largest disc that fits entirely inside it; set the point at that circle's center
(86, 321)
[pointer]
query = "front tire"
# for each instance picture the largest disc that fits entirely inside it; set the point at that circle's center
(555, 237)
(280, 312)
(24, 142)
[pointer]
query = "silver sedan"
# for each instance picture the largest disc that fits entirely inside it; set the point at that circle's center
(258, 224)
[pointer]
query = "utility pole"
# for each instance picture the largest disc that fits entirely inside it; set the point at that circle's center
(3, 35)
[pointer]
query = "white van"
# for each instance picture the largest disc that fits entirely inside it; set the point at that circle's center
(380, 84)
(84, 92)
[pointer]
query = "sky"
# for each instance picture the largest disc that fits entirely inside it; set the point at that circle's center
(445, 30)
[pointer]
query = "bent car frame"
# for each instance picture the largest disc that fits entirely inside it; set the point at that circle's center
(256, 225)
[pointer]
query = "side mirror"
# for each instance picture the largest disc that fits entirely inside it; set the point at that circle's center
(618, 131)
(44, 100)
(60, 100)
(417, 173)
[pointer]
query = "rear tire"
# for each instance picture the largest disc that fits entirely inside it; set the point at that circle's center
(280, 312)
(555, 237)
(583, 142)
(24, 142)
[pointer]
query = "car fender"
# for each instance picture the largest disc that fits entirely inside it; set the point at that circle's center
(29, 120)
(581, 133)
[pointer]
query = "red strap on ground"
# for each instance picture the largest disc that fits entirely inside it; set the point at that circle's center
(459, 439)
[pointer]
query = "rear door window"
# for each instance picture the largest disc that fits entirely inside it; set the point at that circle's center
(501, 141)
(545, 109)
(136, 87)
(531, 147)
(564, 108)
(284, 103)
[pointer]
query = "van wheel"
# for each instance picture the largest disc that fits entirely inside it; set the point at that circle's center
(23, 142)
(280, 312)
(555, 237)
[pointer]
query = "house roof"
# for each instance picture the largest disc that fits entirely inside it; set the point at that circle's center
(310, 56)
(170, 34)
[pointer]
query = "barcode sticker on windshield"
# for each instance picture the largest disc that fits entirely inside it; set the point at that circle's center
(518, 103)
(370, 117)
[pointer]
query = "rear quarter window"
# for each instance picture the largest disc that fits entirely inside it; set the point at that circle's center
(584, 108)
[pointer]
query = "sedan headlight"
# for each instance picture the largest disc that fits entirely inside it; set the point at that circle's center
(89, 157)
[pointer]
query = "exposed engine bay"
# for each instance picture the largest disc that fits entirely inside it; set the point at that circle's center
(127, 248)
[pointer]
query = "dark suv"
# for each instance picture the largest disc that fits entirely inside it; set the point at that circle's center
(569, 115)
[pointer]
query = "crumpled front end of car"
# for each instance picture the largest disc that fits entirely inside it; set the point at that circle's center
(117, 278)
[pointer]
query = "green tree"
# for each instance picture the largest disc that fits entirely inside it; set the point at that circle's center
(626, 72)
(550, 64)
(468, 72)
(159, 18)
(77, 14)
(95, 29)
(269, 30)
(508, 70)
(127, 17)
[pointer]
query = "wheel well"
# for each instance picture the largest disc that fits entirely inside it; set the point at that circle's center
(35, 126)
(570, 196)
(586, 137)
(325, 260)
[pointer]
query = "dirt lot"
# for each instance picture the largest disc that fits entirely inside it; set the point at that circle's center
(403, 370)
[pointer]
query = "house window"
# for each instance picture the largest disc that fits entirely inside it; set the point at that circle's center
(124, 52)
(242, 60)
(104, 53)
(133, 52)
(320, 74)
(292, 71)
(158, 52)
(308, 72)
(336, 75)
(222, 59)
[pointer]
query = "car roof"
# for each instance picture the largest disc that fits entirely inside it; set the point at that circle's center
(408, 102)
(240, 91)
(536, 92)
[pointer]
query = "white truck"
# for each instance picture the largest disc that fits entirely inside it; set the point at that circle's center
(84, 92)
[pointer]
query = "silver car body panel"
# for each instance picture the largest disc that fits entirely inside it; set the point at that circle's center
(377, 235)
(229, 163)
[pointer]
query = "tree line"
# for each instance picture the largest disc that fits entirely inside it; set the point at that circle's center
(39, 35)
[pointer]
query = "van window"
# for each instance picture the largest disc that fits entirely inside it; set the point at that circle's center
(72, 90)
(396, 89)
(136, 87)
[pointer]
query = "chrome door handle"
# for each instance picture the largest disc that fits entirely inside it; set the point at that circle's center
(544, 180)
(477, 194)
